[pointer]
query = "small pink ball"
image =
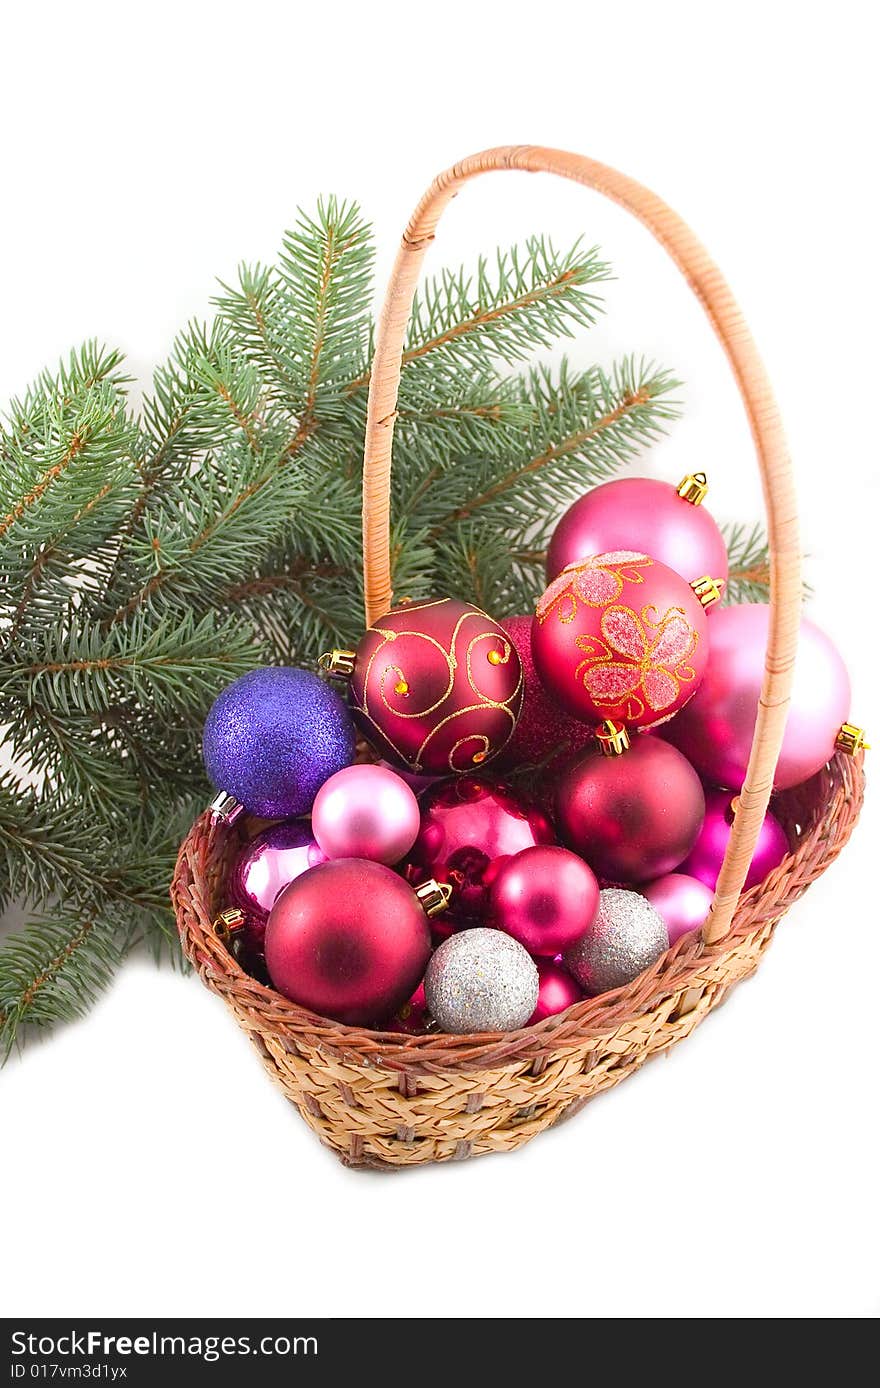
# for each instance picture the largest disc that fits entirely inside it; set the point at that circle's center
(368, 812)
(545, 897)
(707, 855)
(682, 901)
(557, 990)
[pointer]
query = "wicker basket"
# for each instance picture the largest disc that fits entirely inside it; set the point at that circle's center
(380, 1099)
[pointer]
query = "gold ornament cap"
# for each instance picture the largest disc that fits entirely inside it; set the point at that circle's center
(851, 740)
(228, 923)
(435, 896)
(708, 590)
(225, 809)
(613, 738)
(338, 664)
(694, 488)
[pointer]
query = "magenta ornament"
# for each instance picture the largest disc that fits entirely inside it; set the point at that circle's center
(557, 990)
(366, 811)
(632, 817)
(715, 729)
(707, 855)
(544, 726)
(682, 901)
(545, 897)
(267, 864)
(640, 513)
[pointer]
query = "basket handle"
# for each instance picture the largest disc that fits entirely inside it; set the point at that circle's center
(751, 378)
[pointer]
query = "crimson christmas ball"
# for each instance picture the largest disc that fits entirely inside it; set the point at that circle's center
(705, 858)
(470, 827)
(632, 816)
(349, 940)
(436, 686)
(266, 865)
(642, 513)
(544, 727)
(545, 897)
(620, 636)
(715, 731)
(557, 990)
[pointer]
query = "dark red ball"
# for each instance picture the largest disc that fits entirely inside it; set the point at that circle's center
(557, 990)
(470, 827)
(348, 939)
(544, 727)
(633, 817)
(437, 686)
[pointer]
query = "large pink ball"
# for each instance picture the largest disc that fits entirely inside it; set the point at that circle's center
(366, 811)
(715, 730)
(348, 939)
(544, 726)
(633, 817)
(620, 636)
(707, 855)
(545, 897)
(682, 901)
(557, 990)
(640, 513)
(266, 865)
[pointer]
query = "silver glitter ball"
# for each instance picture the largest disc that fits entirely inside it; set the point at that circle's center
(481, 980)
(626, 937)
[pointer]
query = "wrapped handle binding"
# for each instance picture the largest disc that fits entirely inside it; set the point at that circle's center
(724, 314)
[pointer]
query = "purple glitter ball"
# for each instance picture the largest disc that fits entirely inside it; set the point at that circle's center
(273, 737)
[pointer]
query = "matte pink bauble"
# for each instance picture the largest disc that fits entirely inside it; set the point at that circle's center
(470, 827)
(366, 811)
(640, 513)
(707, 855)
(544, 726)
(633, 817)
(682, 901)
(545, 897)
(715, 730)
(266, 865)
(620, 636)
(557, 990)
(348, 939)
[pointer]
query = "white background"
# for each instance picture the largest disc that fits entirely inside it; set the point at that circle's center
(148, 1166)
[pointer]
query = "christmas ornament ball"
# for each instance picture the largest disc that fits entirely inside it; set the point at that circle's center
(366, 811)
(481, 980)
(682, 901)
(544, 726)
(436, 686)
(545, 897)
(273, 737)
(266, 865)
(715, 730)
(705, 859)
(627, 936)
(620, 636)
(470, 826)
(642, 513)
(557, 990)
(349, 940)
(633, 816)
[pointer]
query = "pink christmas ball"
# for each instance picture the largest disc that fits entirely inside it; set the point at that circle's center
(544, 726)
(715, 730)
(412, 1018)
(645, 514)
(620, 636)
(557, 990)
(633, 817)
(682, 901)
(366, 811)
(707, 855)
(545, 897)
(266, 865)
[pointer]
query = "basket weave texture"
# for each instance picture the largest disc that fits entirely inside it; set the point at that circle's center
(384, 1100)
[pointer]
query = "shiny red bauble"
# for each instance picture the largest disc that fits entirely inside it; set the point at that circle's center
(557, 990)
(545, 897)
(620, 636)
(348, 939)
(470, 827)
(545, 733)
(633, 817)
(437, 686)
(640, 513)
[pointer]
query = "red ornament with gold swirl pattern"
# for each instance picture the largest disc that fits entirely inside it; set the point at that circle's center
(436, 686)
(621, 636)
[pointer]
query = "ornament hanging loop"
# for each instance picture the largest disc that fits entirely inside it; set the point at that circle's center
(338, 664)
(694, 488)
